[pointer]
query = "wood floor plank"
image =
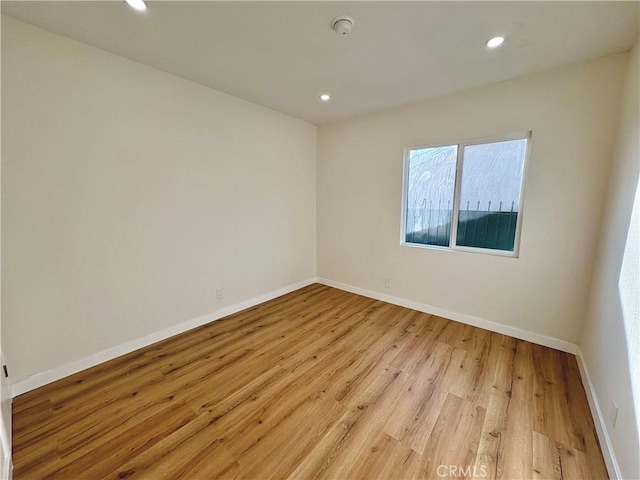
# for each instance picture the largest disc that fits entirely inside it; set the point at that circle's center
(266, 451)
(413, 418)
(583, 424)
(95, 463)
(208, 464)
(491, 449)
(496, 397)
(546, 458)
(454, 439)
(38, 460)
(553, 460)
(384, 457)
(343, 457)
(328, 448)
(316, 384)
(159, 456)
(515, 448)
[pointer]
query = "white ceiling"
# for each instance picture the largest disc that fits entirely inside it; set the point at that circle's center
(284, 54)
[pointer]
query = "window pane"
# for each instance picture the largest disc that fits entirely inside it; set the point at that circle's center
(490, 194)
(432, 174)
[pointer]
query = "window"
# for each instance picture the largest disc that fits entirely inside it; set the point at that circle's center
(466, 196)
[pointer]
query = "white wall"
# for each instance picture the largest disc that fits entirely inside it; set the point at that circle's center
(5, 406)
(611, 339)
(573, 113)
(129, 195)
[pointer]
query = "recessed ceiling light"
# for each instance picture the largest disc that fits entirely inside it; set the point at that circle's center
(495, 42)
(137, 4)
(325, 97)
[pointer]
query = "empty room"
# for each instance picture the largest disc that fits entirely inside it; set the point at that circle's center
(338, 240)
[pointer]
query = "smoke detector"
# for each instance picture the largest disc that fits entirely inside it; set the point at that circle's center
(342, 24)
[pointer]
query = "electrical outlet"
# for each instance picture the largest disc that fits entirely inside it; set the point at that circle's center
(387, 283)
(613, 414)
(220, 293)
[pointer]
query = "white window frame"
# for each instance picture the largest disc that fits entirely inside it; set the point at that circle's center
(456, 195)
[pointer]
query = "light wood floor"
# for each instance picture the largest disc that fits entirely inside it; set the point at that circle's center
(319, 383)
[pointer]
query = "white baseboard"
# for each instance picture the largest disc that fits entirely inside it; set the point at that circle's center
(43, 378)
(537, 338)
(596, 412)
(54, 374)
